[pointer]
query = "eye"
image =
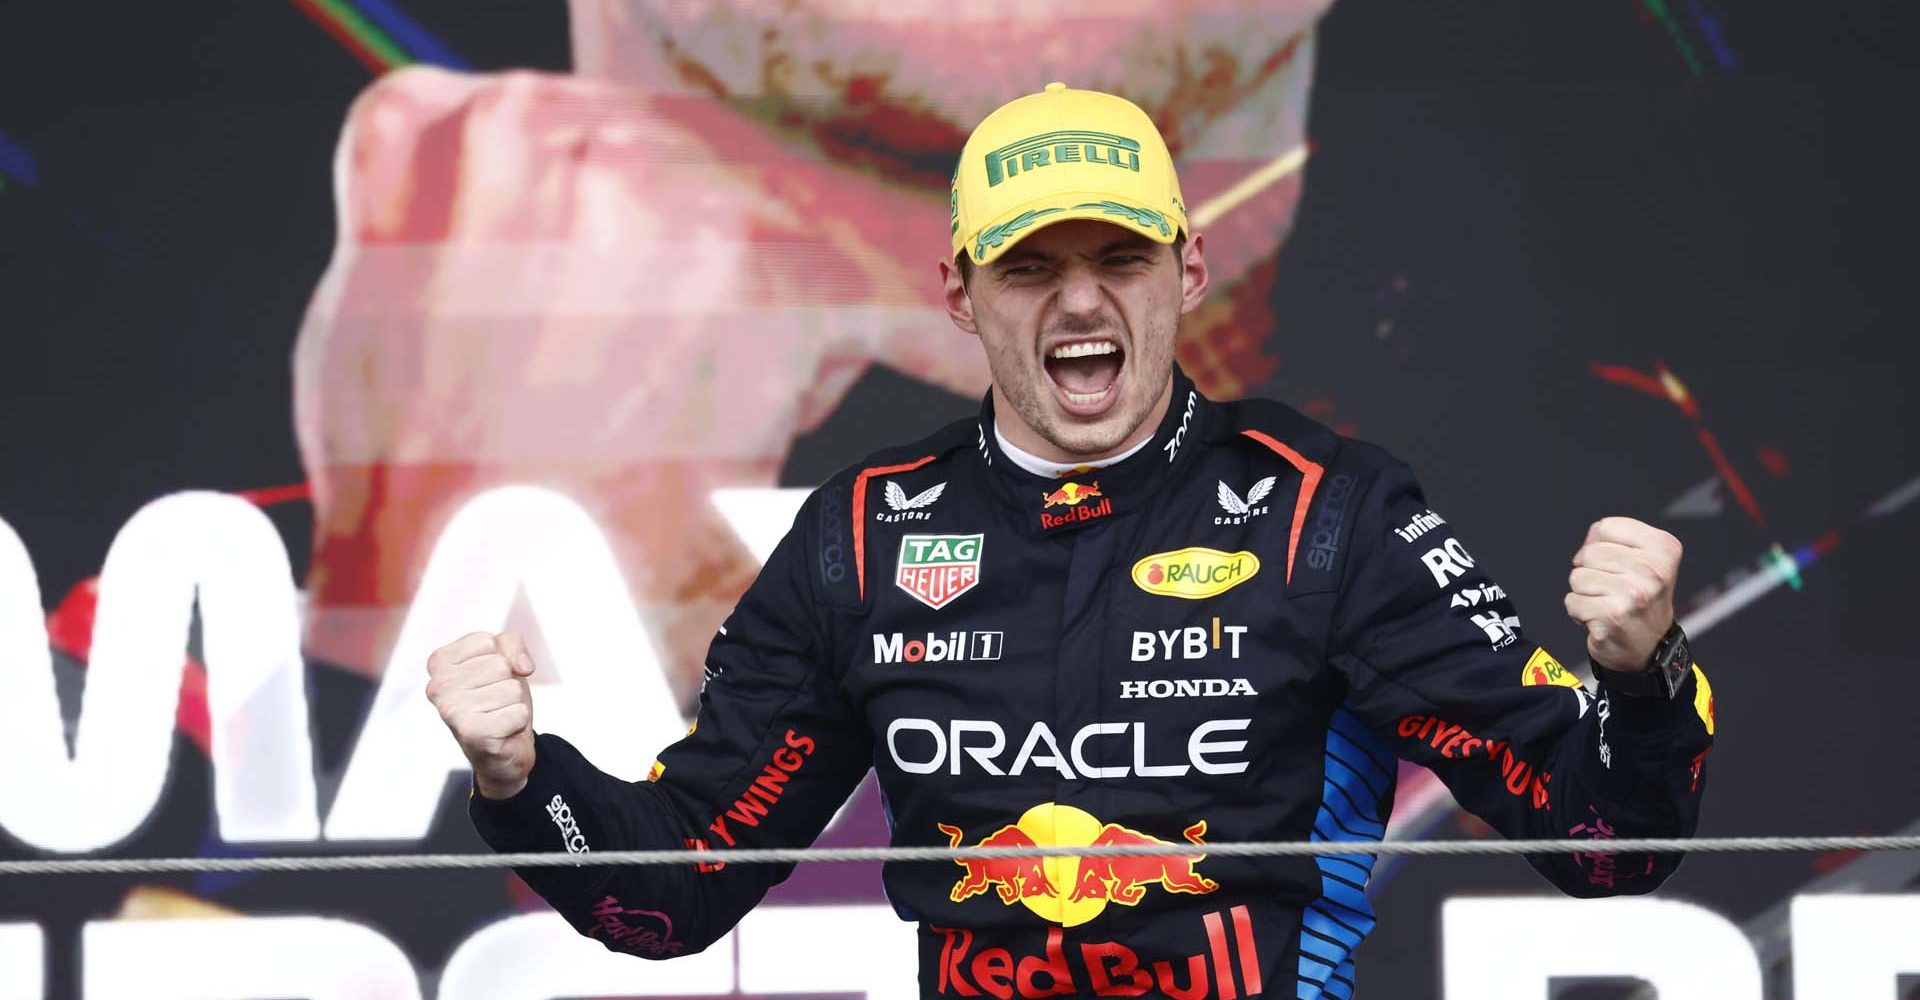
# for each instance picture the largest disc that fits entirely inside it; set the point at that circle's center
(1125, 259)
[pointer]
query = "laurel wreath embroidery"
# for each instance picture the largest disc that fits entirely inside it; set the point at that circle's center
(1143, 216)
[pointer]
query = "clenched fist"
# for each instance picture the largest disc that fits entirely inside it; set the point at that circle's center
(1622, 590)
(478, 683)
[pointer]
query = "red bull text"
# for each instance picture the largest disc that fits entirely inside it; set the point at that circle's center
(1074, 497)
(1228, 969)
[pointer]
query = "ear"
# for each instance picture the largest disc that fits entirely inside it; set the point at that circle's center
(1193, 273)
(953, 295)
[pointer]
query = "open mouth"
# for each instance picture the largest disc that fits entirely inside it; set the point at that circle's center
(1086, 374)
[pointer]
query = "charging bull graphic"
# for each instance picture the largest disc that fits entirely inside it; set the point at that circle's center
(1120, 878)
(1095, 882)
(1070, 495)
(1013, 878)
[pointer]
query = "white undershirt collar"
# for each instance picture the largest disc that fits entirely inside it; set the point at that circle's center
(1049, 469)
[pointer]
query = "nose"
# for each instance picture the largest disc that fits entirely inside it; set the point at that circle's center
(1081, 296)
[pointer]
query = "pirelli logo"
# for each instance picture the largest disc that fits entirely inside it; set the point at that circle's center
(1066, 146)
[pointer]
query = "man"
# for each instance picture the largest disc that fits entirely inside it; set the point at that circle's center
(1111, 611)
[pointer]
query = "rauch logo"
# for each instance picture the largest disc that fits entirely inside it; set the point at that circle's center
(1194, 573)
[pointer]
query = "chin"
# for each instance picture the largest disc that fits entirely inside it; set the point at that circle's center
(1097, 437)
(1087, 441)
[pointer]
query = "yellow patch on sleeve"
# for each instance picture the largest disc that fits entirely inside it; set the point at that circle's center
(1703, 698)
(1542, 668)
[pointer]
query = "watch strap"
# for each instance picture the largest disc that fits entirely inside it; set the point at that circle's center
(1665, 674)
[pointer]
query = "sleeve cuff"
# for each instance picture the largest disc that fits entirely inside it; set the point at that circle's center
(525, 821)
(1639, 713)
(1653, 738)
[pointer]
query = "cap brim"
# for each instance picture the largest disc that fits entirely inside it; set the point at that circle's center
(1022, 221)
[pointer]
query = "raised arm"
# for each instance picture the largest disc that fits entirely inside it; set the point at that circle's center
(1434, 655)
(772, 754)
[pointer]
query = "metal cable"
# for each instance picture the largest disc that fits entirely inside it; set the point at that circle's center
(784, 855)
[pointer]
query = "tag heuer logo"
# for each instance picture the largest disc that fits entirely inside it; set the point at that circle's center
(1241, 511)
(909, 508)
(935, 569)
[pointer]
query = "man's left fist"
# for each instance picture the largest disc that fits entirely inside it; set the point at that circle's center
(1622, 590)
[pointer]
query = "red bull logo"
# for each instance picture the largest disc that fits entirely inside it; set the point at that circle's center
(1074, 497)
(1091, 883)
(970, 967)
(1013, 878)
(1070, 495)
(1120, 879)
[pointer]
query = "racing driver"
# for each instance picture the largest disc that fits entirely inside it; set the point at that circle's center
(1111, 611)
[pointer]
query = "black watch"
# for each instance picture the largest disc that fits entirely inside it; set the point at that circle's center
(1665, 674)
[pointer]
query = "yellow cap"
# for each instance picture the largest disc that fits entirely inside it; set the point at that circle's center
(1057, 155)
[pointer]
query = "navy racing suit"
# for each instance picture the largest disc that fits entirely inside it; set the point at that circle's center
(1230, 635)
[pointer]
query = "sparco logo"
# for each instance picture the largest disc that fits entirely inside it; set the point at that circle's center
(833, 537)
(1325, 542)
(569, 830)
(937, 647)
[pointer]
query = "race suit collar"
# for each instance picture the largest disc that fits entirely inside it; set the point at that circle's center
(1032, 463)
(1054, 505)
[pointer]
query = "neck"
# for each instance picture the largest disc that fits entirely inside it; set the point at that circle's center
(1010, 426)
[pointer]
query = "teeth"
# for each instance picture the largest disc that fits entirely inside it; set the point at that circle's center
(1084, 349)
(1087, 398)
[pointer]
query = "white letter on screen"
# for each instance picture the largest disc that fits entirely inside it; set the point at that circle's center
(1854, 946)
(23, 962)
(1496, 948)
(225, 551)
(612, 700)
(829, 949)
(538, 956)
(315, 958)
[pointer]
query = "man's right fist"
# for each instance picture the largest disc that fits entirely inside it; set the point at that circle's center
(478, 683)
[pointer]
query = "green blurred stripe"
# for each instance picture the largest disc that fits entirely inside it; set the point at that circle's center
(1659, 9)
(366, 32)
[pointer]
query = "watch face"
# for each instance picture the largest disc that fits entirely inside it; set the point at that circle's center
(1675, 664)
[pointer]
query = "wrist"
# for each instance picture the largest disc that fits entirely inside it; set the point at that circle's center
(498, 792)
(1660, 675)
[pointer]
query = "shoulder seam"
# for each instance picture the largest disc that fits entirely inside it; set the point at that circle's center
(860, 513)
(1310, 474)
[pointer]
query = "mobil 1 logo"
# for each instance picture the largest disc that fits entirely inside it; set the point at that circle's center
(937, 647)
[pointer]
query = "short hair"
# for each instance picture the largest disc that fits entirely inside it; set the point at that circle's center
(965, 262)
